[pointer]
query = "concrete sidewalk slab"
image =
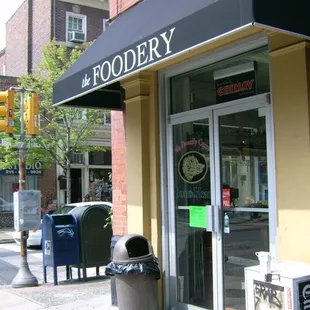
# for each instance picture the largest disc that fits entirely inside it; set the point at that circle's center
(103, 303)
(65, 296)
(12, 301)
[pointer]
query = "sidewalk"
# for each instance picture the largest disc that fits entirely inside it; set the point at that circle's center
(68, 295)
(86, 295)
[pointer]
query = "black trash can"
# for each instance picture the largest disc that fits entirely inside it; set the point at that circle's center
(136, 272)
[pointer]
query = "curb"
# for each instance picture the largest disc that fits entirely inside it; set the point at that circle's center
(6, 241)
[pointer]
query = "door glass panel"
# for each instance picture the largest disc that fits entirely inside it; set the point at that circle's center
(245, 198)
(192, 191)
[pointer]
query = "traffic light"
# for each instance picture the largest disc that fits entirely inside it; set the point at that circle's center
(7, 111)
(31, 115)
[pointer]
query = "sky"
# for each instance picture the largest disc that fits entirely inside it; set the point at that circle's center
(7, 9)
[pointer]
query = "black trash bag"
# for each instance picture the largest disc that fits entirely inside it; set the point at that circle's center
(149, 267)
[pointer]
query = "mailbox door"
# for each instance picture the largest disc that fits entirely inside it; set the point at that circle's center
(66, 245)
(96, 239)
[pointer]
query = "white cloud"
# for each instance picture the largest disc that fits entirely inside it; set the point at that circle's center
(7, 9)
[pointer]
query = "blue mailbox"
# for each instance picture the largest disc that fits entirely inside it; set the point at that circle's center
(60, 243)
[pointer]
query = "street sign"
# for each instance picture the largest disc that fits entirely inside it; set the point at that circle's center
(34, 169)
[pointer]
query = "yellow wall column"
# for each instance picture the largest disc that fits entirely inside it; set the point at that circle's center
(142, 144)
(290, 69)
(142, 148)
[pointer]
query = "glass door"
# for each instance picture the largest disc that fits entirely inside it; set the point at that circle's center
(218, 203)
(241, 139)
(192, 173)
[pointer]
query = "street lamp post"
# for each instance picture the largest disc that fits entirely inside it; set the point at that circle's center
(24, 277)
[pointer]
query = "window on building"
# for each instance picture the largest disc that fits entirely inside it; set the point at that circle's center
(100, 185)
(107, 119)
(9, 185)
(77, 158)
(198, 88)
(76, 28)
(100, 158)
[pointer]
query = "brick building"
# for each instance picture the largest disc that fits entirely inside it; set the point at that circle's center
(32, 26)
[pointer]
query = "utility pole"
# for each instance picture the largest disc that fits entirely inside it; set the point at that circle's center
(24, 277)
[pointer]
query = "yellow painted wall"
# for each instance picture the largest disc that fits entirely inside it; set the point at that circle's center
(290, 95)
(142, 143)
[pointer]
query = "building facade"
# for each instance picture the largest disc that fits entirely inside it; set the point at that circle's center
(210, 138)
(32, 26)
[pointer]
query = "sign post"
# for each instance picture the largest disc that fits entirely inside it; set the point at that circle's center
(24, 277)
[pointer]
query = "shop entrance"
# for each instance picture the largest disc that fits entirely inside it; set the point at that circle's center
(76, 185)
(218, 204)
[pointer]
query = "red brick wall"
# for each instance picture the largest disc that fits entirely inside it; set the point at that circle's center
(119, 6)
(17, 42)
(118, 141)
(41, 29)
(47, 185)
(119, 173)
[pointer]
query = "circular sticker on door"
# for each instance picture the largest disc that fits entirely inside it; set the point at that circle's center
(192, 167)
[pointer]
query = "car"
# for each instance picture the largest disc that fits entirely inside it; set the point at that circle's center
(35, 236)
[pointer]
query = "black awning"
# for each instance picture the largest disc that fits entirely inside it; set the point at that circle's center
(155, 30)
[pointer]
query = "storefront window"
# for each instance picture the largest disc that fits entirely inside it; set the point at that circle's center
(100, 185)
(9, 185)
(205, 87)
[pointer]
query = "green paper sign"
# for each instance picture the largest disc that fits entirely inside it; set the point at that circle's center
(198, 216)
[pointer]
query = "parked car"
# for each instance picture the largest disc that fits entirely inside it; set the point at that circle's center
(35, 236)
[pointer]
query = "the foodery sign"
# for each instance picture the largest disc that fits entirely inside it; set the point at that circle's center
(141, 55)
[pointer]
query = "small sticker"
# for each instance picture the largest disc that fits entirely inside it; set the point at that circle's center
(47, 247)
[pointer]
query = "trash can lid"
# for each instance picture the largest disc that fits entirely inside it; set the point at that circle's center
(132, 248)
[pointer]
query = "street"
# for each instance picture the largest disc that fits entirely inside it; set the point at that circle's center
(10, 259)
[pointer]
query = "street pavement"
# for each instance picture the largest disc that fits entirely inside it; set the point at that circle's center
(69, 294)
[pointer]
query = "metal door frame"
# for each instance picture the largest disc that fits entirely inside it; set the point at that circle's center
(257, 102)
(213, 113)
(195, 116)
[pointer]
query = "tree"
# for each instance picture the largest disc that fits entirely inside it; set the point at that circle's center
(64, 131)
